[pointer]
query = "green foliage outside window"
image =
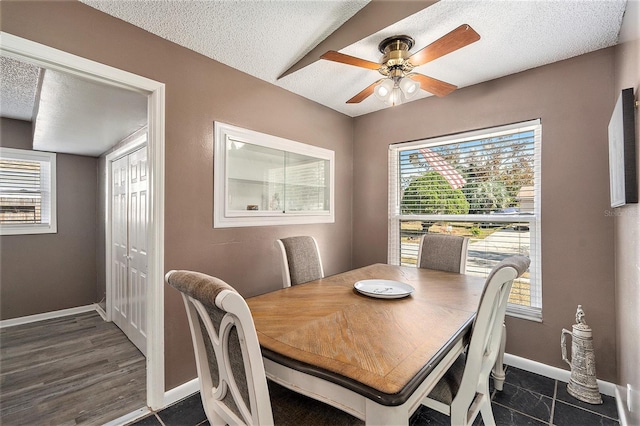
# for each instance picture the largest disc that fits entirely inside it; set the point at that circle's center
(430, 193)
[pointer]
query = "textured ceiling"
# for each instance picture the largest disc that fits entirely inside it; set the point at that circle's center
(18, 87)
(261, 38)
(68, 114)
(77, 116)
(264, 38)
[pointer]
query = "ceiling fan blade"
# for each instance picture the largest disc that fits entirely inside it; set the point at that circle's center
(334, 56)
(364, 94)
(456, 39)
(432, 85)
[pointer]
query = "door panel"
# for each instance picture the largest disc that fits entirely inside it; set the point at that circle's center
(129, 240)
(138, 245)
(120, 242)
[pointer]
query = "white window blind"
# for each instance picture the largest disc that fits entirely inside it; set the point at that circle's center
(484, 185)
(306, 184)
(27, 192)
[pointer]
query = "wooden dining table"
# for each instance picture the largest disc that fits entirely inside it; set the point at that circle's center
(376, 358)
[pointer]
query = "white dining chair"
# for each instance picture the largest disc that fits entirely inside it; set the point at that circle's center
(464, 389)
(300, 260)
(443, 252)
(233, 384)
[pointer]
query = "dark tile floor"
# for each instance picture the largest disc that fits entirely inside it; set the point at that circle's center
(527, 399)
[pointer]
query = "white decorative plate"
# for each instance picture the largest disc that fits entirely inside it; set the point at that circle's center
(384, 289)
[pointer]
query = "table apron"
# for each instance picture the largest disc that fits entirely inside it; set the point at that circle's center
(354, 403)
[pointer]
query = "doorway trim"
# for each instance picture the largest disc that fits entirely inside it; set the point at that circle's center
(44, 56)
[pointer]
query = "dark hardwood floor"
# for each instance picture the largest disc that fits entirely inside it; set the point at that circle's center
(72, 370)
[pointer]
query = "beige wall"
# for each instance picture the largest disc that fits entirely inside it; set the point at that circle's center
(627, 245)
(48, 272)
(573, 100)
(198, 92)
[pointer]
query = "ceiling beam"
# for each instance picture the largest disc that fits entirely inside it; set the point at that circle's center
(375, 16)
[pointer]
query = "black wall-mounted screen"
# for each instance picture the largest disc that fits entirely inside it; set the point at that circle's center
(623, 180)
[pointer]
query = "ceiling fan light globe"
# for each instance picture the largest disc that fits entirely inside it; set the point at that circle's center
(383, 89)
(382, 92)
(409, 87)
(396, 97)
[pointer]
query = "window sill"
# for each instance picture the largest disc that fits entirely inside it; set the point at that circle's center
(28, 229)
(271, 220)
(530, 314)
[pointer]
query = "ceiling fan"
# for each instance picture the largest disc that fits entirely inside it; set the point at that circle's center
(397, 64)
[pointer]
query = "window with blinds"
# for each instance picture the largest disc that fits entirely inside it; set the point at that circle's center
(27, 192)
(484, 185)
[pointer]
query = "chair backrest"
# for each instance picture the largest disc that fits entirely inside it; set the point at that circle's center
(233, 384)
(487, 331)
(300, 260)
(443, 252)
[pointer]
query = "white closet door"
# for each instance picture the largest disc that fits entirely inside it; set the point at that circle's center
(120, 242)
(129, 239)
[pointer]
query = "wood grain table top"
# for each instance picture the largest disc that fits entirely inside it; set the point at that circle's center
(382, 347)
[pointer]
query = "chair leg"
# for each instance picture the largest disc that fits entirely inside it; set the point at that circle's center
(458, 417)
(212, 416)
(216, 419)
(486, 412)
(498, 373)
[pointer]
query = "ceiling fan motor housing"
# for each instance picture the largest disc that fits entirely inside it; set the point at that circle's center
(395, 52)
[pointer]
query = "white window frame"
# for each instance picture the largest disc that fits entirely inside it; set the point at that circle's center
(226, 218)
(49, 191)
(534, 312)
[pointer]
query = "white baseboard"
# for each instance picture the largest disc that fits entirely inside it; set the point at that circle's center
(128, 418)
(101, 312)
(47, 315)
(181, 392)
(623, 414)
(607, 388)
(170, 397)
